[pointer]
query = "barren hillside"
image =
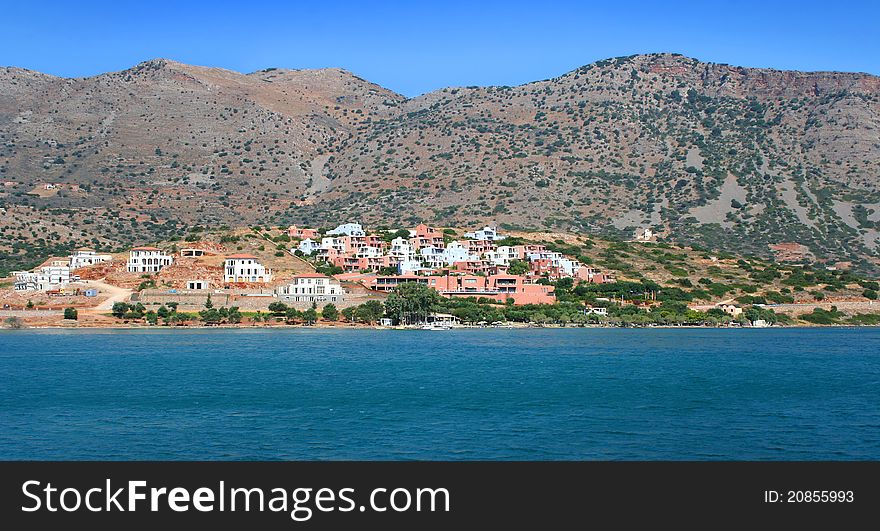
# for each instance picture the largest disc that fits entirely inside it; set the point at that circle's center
(726, 157)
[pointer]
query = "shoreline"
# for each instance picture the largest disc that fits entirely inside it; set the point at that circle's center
(417, 328)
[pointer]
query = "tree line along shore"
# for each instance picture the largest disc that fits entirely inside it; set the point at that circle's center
(414, 304)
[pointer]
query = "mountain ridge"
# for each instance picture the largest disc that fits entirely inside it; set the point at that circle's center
(705, 153)
(165, 61)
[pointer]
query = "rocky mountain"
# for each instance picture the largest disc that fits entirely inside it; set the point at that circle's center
(724, 157)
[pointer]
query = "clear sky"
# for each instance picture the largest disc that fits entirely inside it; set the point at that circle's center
(415, 47)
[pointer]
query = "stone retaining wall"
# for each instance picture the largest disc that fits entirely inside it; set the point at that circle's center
(189, 301)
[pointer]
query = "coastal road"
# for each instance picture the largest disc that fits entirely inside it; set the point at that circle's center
(30, 313)
(117, 294)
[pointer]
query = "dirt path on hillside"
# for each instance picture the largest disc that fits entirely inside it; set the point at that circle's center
(117, 294)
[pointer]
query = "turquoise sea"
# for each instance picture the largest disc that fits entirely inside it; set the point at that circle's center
(792, 394)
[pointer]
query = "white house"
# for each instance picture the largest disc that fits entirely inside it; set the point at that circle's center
(369, 252)
(432, 256)
(245, 268)
(401, 250)
(308, 246)
(643, 235)
(348, 229)
(334, 243)
(147, 260)
(542, 255)
(312, 287)
(502, 255)
(411, 267)
(486, 233)
(457, 252)
(437, 257)
(44, 278)
(87, 257)
(569, 267)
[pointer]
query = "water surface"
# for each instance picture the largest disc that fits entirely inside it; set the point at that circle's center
(463, 394)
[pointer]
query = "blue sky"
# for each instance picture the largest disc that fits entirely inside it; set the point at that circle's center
(415, 47)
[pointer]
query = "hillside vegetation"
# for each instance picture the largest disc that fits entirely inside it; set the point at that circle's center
(726, 158)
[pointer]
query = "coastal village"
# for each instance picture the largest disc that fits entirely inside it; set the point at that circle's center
(352, 276)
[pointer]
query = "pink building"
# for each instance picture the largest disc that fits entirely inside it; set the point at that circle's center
(426, 236)
(329, 254)
(500, 288)
(295, 232)
(594, 276)
(544, 267)
(353, 244)
(523, 251)
(352, 264)
(474, 267)
(479, 247)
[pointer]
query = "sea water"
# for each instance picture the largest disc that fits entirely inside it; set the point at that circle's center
(494, 394)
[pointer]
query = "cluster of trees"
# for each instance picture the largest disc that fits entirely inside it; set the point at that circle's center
(518, 267)
(369, 312)
(413, 302)
(136, 312)
(291, 315)
(567, 291)
(472, 310)
(211, 315)
(326, 268)
(123, 310)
